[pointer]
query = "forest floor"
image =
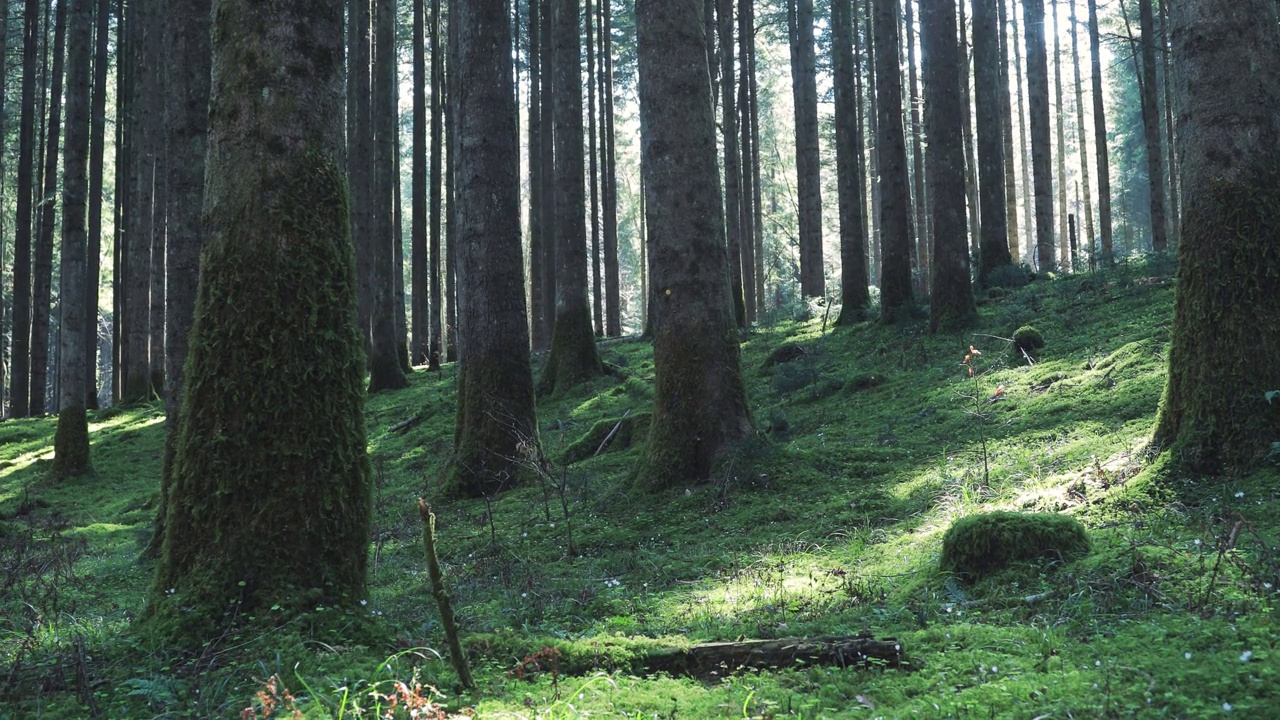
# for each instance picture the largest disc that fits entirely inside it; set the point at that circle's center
(829, 523)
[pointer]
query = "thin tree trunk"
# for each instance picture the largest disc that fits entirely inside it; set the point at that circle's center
(1041, 129)
(1060, 125)
(896, 299)
(42, 279)
(537, 308)
(732, 161)
(871, 249)
(420, 350)
(4, 153)
(451, 191)
(612, 271)
(758, 208)
(808, 164)
(436, 190)
(1024, 156)
(970, 152)
(1100, 139)
(1013, 234)
(1151, 127)
(1170, 128)
(855, 299)
(746, 183)
(549, 255)
(361, 146)
(992, 134)
(919, 193)
(123, 202)
(97, 144)
(1083, 139)
(20, 372)
(876, 239)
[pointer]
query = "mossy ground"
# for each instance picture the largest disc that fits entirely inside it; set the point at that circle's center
(829, 523)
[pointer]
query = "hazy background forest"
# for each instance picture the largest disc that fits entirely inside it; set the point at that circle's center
(131, 200)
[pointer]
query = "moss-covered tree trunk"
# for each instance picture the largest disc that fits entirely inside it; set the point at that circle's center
(700, 407)
(71, 444)
(270, 499)
(1214, 417)
(495, 385)
(573, 342)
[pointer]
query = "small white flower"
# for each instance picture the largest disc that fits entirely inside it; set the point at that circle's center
(1098, 663)
(1266, 585)
(524, 595)
(1226, 707)
(1244, 656)
(1186, 655)
(364, 602)
(1240, 494)
(1197, 542)
(994, 669)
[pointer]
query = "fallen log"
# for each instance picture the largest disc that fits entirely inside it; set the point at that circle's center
(710, 660)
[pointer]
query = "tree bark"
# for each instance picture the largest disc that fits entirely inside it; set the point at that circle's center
(548, 257)
(896, 301)
(4, 146)
(1170, 127)
(1024, 154)
(360, 149)
(496, 423)
(1083, 139)
(71, 441)
(385, 370)
(1010, 156)
(700, 408)
(20, 369)
(808, 163)
(42, 270)
(1041, 154)
(97, 144)
(612, 271)
(537, 223)
(732, 161)
(1215, 417)
(970, 151)
(437, 182)
(272, 495)
(993, 124)
(855, 298)
(1100, 139)
(573, 356)
(420, 349)
(1151, 128)
(951, 302)
(593, 163)
(919, 192)
(1060, 125)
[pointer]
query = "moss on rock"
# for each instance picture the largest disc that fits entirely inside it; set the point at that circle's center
(631, 429)
(978, 545)
(1028, 340)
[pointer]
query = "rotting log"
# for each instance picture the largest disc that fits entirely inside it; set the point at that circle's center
(710, 660)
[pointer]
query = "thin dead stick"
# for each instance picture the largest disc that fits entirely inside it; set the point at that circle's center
(442, 598)
(612, 432)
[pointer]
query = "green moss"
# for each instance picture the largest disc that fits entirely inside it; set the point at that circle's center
(977, 545)
(631, 430)
(71, 444)
(496, 431)
(270, 499)
(1028, 340)
(573, 359)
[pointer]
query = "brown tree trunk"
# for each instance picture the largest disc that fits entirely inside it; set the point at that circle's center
(573, 348)
(1041, 155)
(537, 235)
(496, 421)
(360, 150)
(896, 301)
(612, 271)
(732, 161)
(951, 302)
(1010, 156)
(437, 181)
(757, 210)
(1083, 139)
(1170, 127)
(71, 442)
(1028, 241)
(970, 152)
(548, 257)
(42, 269)
(855, 299)
(1060, 125)
(1217, 417)
(993, 124)
(700, 408)
(919, 192)
(97, 144)
(20, 369)
(746, 178)
(420, 325)
(1151, 128)
(808, 164)
(1100, 139)
(593, 142)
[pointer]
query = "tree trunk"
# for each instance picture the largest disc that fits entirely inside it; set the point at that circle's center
(548, 258)
(1024, 154)
(270, 509)
(42, 270)
(1170, 127)
(876, 239)
(732, 162)
(970, 152)
(1100, 139)
(20, 369)
(992, 133)
(1038, 99)
(855, 298)
(385, 370)
(420, 350)
(808, 164)
(593, 227)
(496, 422)
(951, 302)
(1151, 128)
(919, 193)
(537, 235)
(1010, 156)
(757, 209)
(71, 442)
(4, 151)
(896, 301)
(437, 181)
(573, 356)
(700, 409)
(860, 97)
(612, 272)
(360, 149)
(1216, 417)
(1082, 137)
(124, 189)
(451, 92)
(97, 144)
(1060, 125)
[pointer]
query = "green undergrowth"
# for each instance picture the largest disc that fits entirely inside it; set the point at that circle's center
(871, 443)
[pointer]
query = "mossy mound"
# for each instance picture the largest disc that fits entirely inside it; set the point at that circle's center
(631, 429)
(784, 354)
(1028, 340)
(979, 545)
